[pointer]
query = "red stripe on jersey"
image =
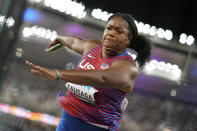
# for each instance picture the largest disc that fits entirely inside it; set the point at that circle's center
(107, 110)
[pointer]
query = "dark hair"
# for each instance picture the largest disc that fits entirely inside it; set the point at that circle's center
(138, 43)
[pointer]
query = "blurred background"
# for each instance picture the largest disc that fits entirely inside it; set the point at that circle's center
(165, 93)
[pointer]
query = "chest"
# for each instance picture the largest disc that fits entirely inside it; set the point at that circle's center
(94, 61)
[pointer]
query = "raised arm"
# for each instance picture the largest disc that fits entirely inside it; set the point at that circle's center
(74, 43)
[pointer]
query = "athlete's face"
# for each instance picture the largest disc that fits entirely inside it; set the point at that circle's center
(116, 35)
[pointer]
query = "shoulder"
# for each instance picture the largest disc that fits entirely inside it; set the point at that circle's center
(128, 71)
(90, 45)
(129, 67)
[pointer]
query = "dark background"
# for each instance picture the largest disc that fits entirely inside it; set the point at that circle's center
(180, 16)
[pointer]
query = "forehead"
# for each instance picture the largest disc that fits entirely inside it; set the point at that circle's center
(118, 22)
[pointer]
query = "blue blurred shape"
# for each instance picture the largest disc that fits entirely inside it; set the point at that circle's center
(31, 15)
(194, 71)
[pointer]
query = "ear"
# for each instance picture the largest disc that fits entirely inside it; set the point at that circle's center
(129, 39)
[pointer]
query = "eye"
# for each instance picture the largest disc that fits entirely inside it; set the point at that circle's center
(119, 31)
(108, 28)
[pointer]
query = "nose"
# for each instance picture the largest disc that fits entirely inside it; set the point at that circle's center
(111, 34)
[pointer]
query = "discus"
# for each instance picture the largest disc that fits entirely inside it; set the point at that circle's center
(54, 48)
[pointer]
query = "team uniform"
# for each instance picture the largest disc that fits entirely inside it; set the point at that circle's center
(92, 105)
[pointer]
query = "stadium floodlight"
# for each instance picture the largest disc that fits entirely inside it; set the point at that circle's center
(190, 40)
(162, 69)
(27, 32)
(48, 34)
(19, 52)
(78, 10)
(153, 30)
(168, 35)
(40, 32)
(37, 1)
(67, 6)
(2, 18)
(173, 92)
(136, 22)
(160, 33)
(140, 27)
(183, 38)
(146, 29)
(53, 36)
(43, 32)
(99, 14)
(10, 22)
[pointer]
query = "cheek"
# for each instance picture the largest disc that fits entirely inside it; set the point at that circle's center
(104, 33)
(121, 39)
(124, 42)
(127, 41)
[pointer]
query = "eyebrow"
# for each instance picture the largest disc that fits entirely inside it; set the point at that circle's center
(116, 27)
(119, 28)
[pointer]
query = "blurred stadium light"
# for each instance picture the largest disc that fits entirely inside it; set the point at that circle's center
(39, 32)
(162, 69)
(68, 7)
(78, 10)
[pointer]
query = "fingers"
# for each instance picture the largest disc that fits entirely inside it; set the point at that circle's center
(32, 65)
(52, 44)
(41, 71)
(35, 72)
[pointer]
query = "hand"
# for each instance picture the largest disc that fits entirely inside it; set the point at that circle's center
(41, 71)
(52, 43)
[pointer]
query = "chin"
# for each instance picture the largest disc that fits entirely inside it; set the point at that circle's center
(110, 51)
(108, 44)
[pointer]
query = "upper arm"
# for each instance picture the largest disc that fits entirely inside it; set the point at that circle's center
(77, 44)
(90, 45)
(81, 46)
(128, 72)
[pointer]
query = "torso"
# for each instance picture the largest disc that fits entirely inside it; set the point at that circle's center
(107, 109)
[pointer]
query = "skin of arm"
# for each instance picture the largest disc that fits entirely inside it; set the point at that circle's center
(74, 43)
(121, 75)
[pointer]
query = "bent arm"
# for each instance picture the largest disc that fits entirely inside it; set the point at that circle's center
(120, 76)
(76, 44)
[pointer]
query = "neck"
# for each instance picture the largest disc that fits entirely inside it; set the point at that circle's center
(106, 53)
